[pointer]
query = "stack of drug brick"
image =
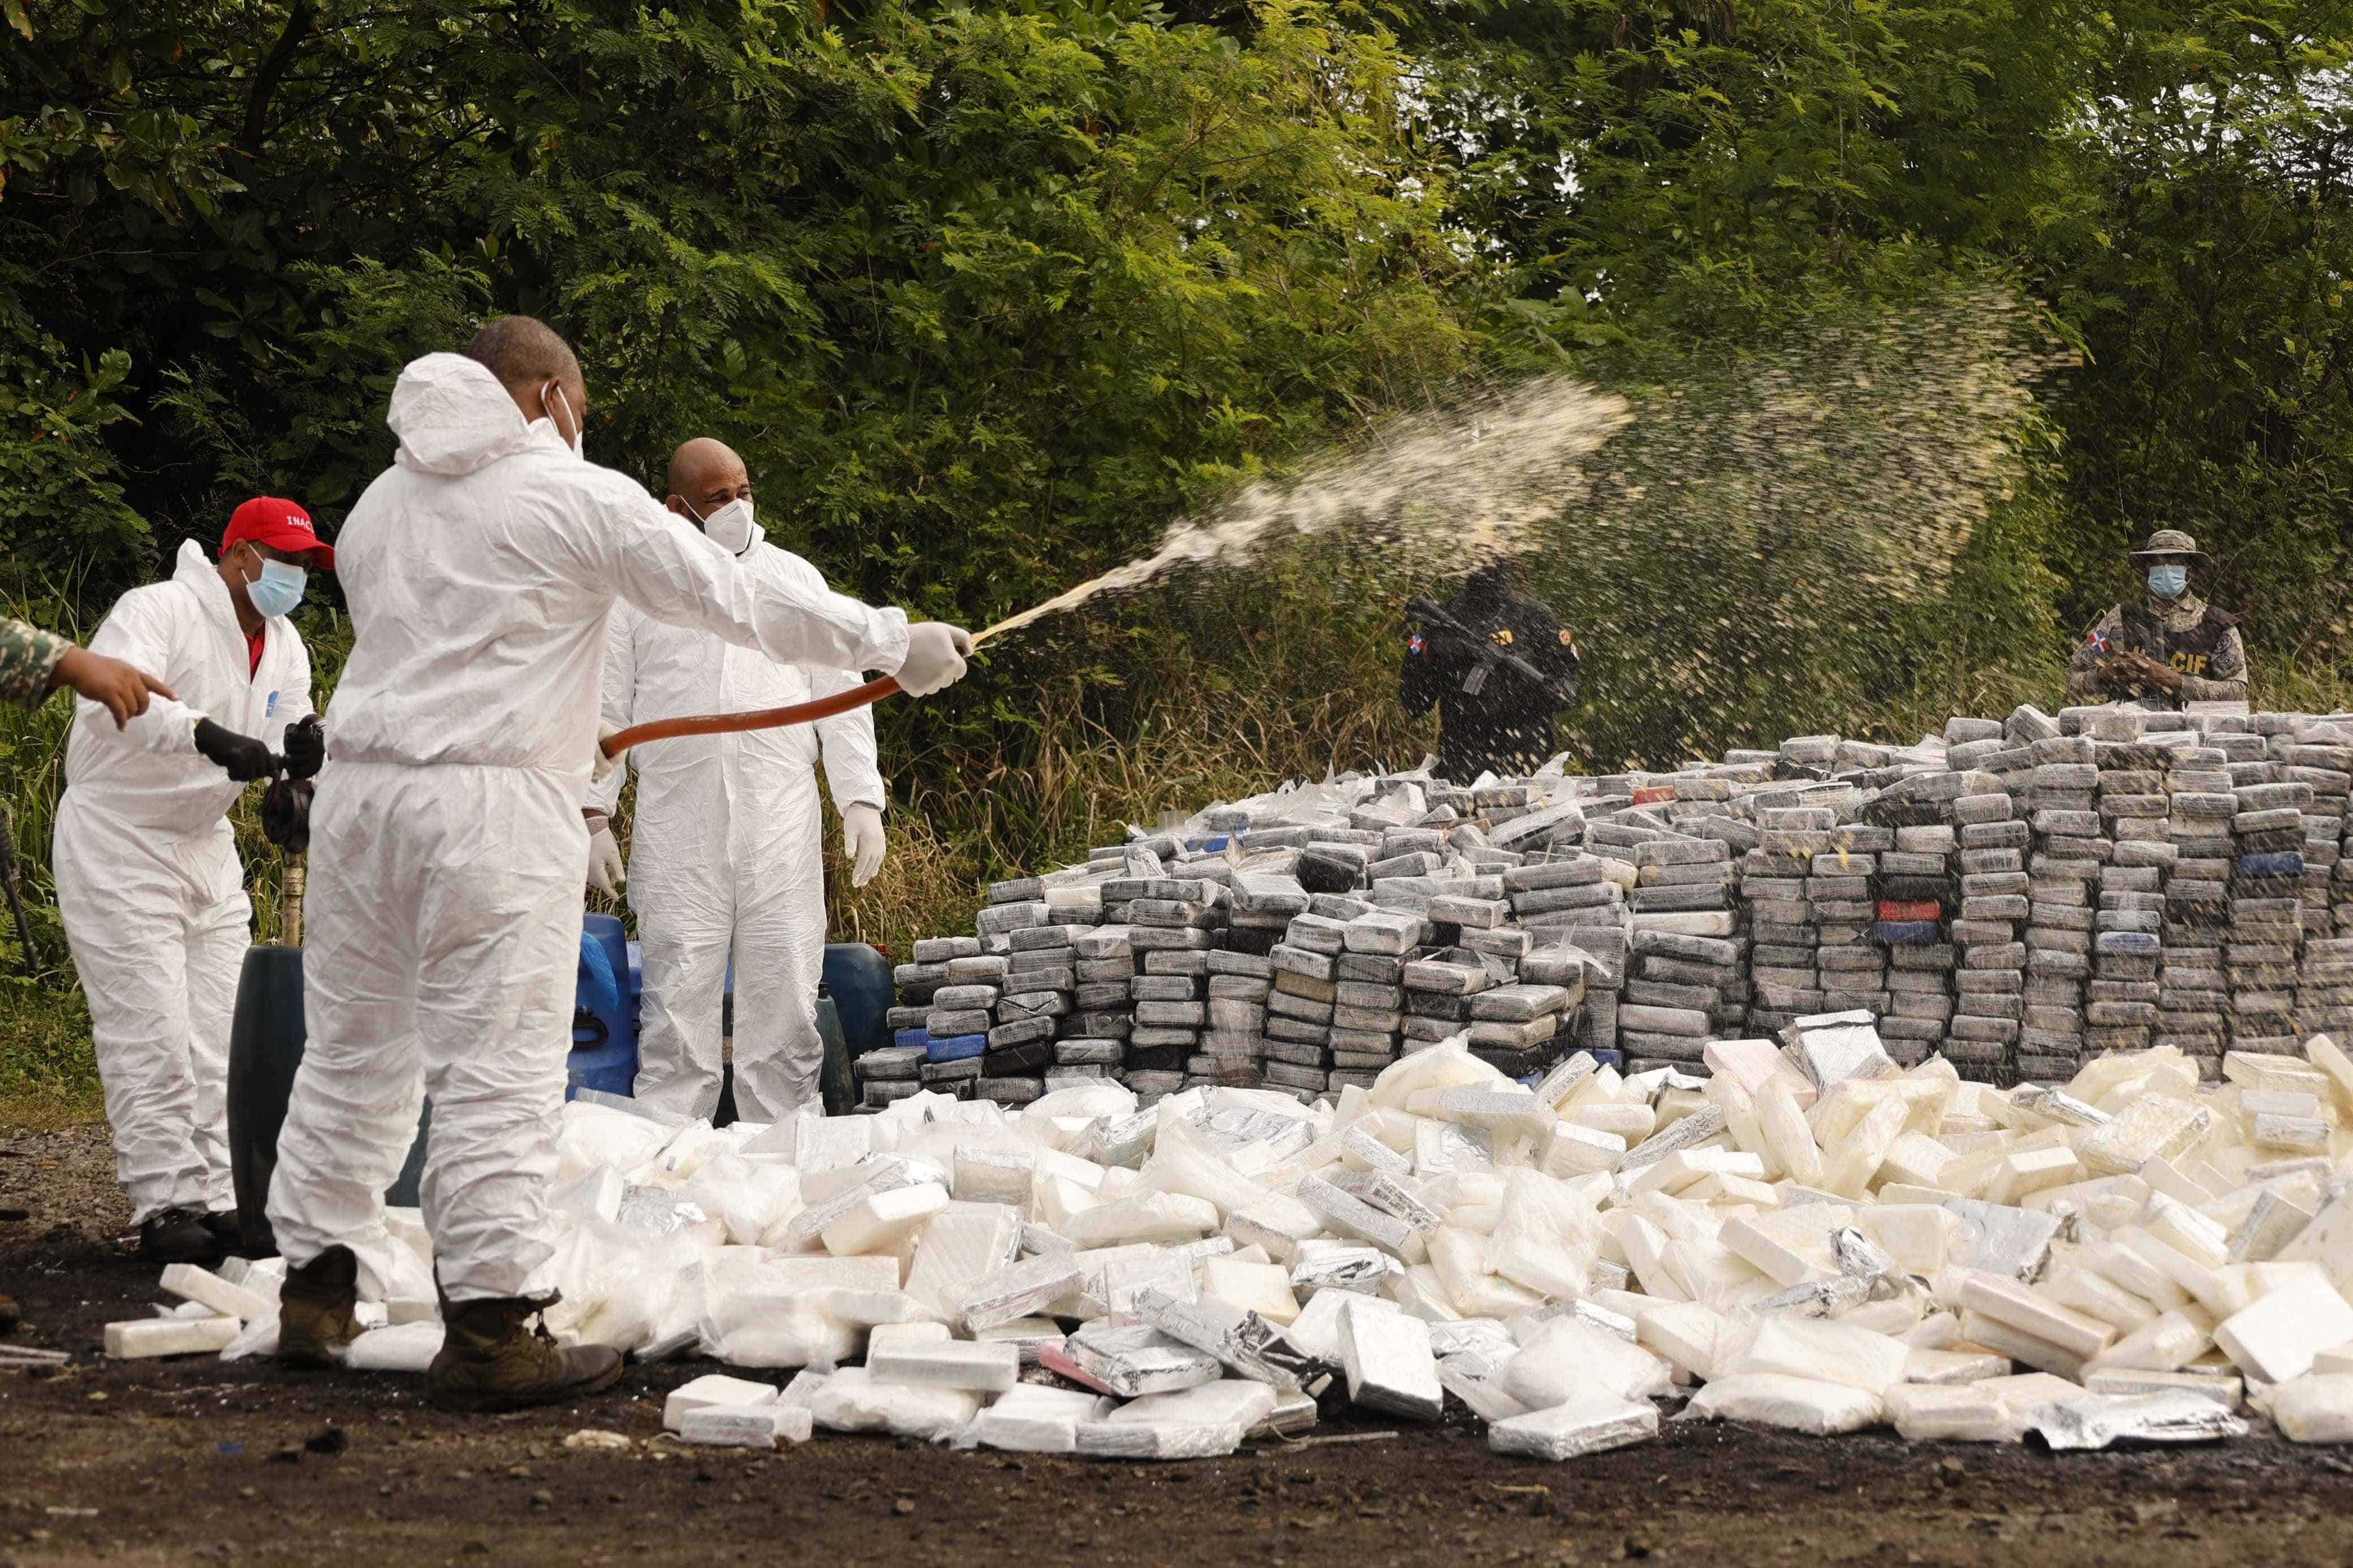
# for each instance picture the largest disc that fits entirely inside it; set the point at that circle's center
(2192, 991)
(1916, 893)
(2062, 872)
(2023, 897)
(1173, 923)
(2266, 930)
(1039, 982)
(1563, 898)
(2322, 758)
(1090, 1039)
(1302, 1000)
(1684, 988)
(2338, 737)
(1843, 863)
(1774, 889)
(2133, 802)
(1789, 836)
(1991, 837)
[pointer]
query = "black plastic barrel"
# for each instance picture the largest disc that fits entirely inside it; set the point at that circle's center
(859, 979)
(265, 1046)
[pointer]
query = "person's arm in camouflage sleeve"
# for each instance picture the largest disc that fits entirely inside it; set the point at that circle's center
(32, 662)
(2226, 680)
(2083, 668)
(28, 659)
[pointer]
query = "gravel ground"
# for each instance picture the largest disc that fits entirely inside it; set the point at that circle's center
(197, 1461)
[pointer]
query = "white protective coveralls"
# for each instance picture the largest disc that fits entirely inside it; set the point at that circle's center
(149, 882)
(726, 852)
(447, 847)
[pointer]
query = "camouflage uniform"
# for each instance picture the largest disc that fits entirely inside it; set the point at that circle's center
(27, 656)
(2185, 634)
(1505, 725)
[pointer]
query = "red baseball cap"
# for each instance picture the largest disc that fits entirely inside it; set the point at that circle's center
(281, 525)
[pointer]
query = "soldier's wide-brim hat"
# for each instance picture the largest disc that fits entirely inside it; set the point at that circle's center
(2168, 544)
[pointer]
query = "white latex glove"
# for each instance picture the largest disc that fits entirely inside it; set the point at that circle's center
(862, 841)
(606, 873)
(934, 658)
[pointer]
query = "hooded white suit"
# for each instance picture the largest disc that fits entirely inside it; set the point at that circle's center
(148, 878)
(447, 847)
(726, 853)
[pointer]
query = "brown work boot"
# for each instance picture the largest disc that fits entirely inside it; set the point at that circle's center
(316, 1309)
(490, 1360)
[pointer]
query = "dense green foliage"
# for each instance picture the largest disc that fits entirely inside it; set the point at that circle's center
(990, 293)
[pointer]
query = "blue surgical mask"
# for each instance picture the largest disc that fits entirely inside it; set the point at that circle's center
(2169, 581)
(279, 588)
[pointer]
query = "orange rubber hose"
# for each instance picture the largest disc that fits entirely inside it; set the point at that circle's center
(621, 741)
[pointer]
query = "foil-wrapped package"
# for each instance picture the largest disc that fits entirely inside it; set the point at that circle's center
(1342, 1265)
(2097, 1421)
(1137, 1359)
(1022, 1290)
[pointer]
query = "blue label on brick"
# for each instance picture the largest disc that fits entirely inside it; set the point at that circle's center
(1907, 933)
(2139, 943)
(956, 1049)
(2280, 863)
(919, 1038)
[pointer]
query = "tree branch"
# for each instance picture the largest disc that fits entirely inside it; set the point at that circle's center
(264, 83)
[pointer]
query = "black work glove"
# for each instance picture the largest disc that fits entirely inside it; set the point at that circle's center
(306, 749)
(245, 758)
(286, 814)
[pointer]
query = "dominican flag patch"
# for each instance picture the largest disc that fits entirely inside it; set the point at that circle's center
(1413, 644)
(2098, 639)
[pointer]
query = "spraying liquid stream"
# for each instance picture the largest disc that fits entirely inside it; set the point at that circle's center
(1471, 483)
(1466, 484)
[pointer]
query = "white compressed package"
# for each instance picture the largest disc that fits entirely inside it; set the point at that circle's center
(1034, 1419)
(1386, 1355)
(1963, 1413)
(616, 1282)
(1825, 1351)
(2314, 1408)
(749, 1195)
(1567, 1431)
(850, 1401)
(404, 1347)
(1792, 1404)
(714, 1391)
(1567, 1360)
(752, 1329)
(2277, 1337)
(964, 1244)
(1548, 1240)
(593, 1139)
(1190, 1424)
(1475, 1377)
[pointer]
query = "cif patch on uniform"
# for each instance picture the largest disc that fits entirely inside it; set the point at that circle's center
(1413, 644)
(269, 706)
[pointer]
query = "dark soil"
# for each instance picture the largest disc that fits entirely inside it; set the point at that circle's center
(195, 1460)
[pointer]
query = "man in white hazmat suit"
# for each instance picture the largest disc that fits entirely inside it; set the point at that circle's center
(725, 845)
(149, 883)
(448, 850)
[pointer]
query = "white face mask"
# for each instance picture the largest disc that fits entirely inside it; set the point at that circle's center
(730, 526)
(579, 442)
